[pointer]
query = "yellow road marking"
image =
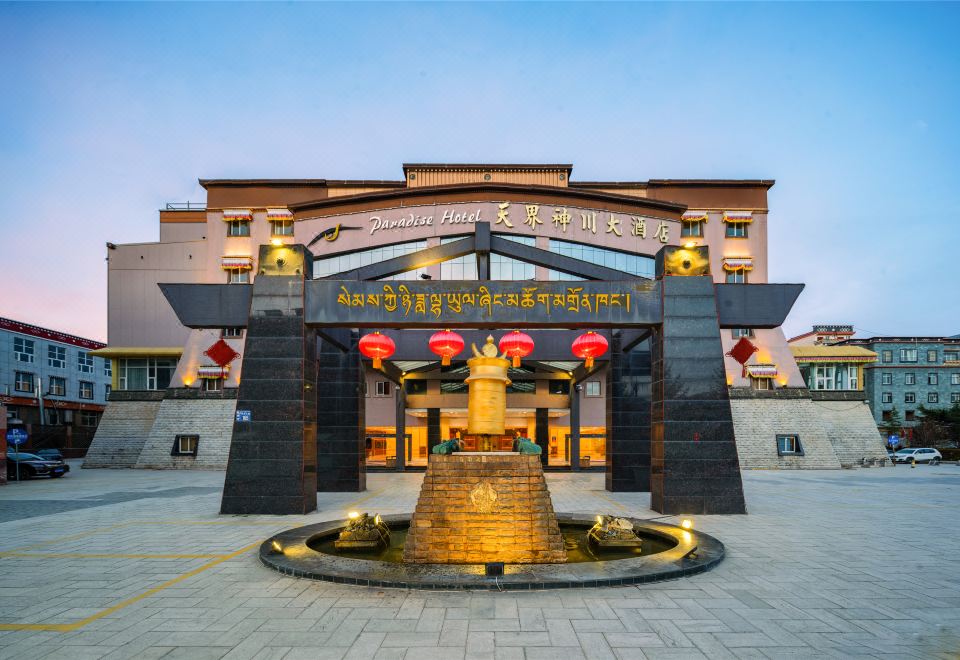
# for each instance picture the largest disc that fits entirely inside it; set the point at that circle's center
(70, 627)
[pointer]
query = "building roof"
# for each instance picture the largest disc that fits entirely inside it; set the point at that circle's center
(832, 353)
(49, 335)
(495, 167)
(901, 340)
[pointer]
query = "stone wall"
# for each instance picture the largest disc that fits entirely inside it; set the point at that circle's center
(123, 430)
(483, 507)
(211, 419)
(757, 422)
(852, 431)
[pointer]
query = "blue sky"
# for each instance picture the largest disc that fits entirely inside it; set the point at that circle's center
(111, 110)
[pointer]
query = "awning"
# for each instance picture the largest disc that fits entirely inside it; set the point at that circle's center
(236, 263)
(213, 372)
(733, 264)
(279, 214)
(738, 217)
(762, 370)
(236, 215)
(695, 216)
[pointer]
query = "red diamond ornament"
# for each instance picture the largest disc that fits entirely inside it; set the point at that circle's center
(221, 353)
(742, 351)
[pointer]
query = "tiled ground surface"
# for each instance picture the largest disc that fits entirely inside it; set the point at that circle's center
(137, 564)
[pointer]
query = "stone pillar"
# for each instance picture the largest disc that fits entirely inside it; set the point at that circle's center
(628, 418)
(433, 430)
(401, 427)
(272, 465)
(575, 426)
(693, 452)
(341, 427)
(543, 433)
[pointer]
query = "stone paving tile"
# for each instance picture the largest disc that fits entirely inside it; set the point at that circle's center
(818, 569)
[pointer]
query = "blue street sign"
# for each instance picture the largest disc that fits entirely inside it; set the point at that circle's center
(893, 440)
(244, 416)
(16, 437)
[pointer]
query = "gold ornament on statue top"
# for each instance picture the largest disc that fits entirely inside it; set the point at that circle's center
(487, 402)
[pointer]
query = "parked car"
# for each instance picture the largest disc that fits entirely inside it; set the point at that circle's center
(922, 455)
(49, 454)
(32, 465)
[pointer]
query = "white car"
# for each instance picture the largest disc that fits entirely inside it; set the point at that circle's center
(925, 455)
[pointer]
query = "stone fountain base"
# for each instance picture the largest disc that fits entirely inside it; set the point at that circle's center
(478, 507)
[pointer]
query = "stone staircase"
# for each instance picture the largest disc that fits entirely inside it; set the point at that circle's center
(122, 432)
(852, 430)
(757, 422)
(211, 419)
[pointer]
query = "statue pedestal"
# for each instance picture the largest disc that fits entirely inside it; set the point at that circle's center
(484, 507)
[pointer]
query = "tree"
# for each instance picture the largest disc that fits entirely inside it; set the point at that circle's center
(939, 426)
(893, 424)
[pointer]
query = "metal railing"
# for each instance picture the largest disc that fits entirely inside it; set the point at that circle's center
(186, 206)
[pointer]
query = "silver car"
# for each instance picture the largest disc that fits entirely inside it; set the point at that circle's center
(923, 455)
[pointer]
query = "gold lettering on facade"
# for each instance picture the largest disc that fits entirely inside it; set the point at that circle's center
(639, 227)
(663, 232)
(589, 222)
(533, 217)
(561, 218)
(613, 225)
(503, 214)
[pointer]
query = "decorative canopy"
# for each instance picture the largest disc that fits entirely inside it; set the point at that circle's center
(279, 214)
(213, 372)
(236, 263)
(762, 370)
(237, 215)
(695, 216)
(733, 264)
(738, 217)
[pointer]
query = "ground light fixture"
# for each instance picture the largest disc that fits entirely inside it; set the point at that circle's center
(686, 523)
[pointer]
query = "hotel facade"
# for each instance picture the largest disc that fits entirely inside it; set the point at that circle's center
(173, 402)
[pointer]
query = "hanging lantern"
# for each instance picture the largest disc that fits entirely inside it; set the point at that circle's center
(589, 346)
(378, 347)
(516, 345)
(446, 344)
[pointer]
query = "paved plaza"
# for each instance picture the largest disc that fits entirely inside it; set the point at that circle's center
(138, 564)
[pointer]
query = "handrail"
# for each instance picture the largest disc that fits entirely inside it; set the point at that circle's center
(186, 206)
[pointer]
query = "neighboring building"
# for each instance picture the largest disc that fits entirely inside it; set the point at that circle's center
(174, 405)
(58, 373)
(910, 372)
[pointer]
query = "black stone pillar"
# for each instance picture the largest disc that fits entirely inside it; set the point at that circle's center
(693, 453)
(628, 418)
(543, 433)
(341, 427)
(433, 429)
(401, 427)
(272, 463)
(575, 426)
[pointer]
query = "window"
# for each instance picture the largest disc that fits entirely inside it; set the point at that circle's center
(931, 356)
(22, 349)
(908, 355)
(186, 445)
(56, 356)
(628, 263)
(593, 388)
(238, 276)
(88, 418)
(933, 378)
(54, 416)
(84, 362)
(522, 387)
(824, 377)
(58, 386)
(741, 332)
(955, 379)
(909, 379)
(737, 277)
(23, 382)
(107, 368)
(887, 415)
(281, 227)
(559, 386)
(238, 228)
(760, 383)
(789, 445)
(951, 356)
(886, 378)
(694, 228)
(383, 388)
(736, 230)
(415, 386)
(86, 389)
(886, 397)
(107, 389)
(212, 384)
(910, 397)
(887, 356)
(853, 378)
(955, 397)
(909, 416)
(344, 262)
(145, 373)
(933, 397)
(227, 333)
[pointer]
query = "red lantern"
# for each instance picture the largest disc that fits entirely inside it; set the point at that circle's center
(589, 346)
(446, 344)
(377, 346)
(517, 345)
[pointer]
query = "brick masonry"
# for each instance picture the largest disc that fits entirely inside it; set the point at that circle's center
(476, 508)
(852, 431)
(211, 419)
(123, 430)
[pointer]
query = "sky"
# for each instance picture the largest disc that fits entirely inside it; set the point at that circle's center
(110, 111)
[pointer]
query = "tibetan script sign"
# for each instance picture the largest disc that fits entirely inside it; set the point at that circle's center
(492, 304)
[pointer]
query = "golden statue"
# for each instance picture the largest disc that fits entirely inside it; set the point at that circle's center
(487, 402)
